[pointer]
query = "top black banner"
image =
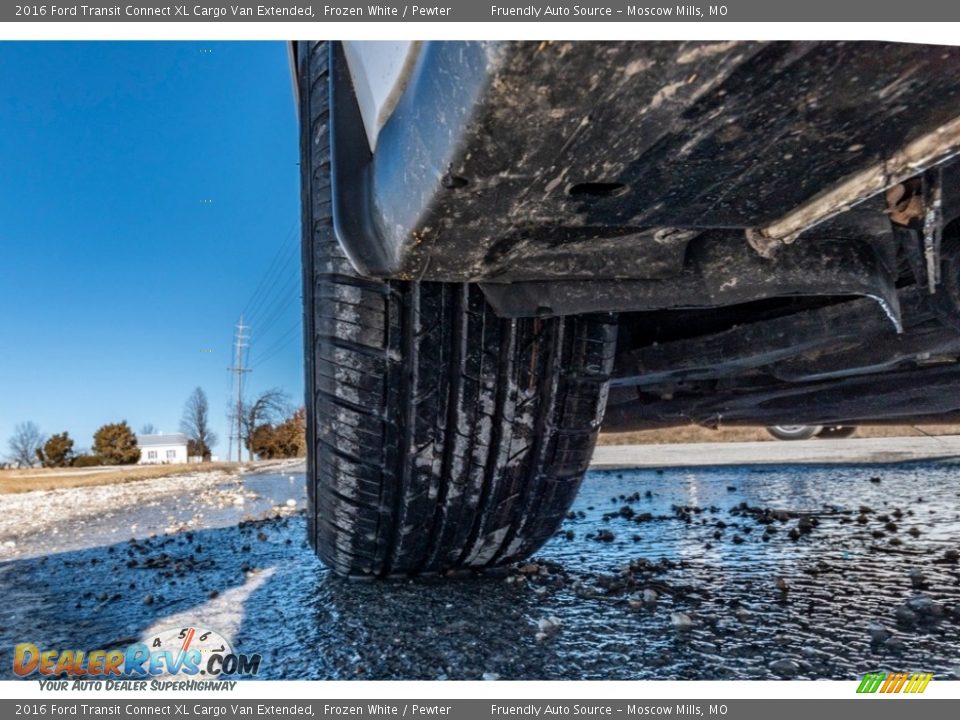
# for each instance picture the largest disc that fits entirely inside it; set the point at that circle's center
(618, 11)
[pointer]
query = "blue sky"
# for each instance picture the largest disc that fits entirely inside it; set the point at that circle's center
(145, 191)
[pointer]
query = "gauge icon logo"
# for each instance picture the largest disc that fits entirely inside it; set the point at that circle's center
(202, 645)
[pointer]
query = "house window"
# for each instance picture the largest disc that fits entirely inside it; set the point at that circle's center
(171, 454)
(151, 455)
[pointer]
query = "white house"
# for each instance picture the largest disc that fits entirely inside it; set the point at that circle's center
(162, 449)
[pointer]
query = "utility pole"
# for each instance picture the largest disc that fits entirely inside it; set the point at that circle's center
(239, 343)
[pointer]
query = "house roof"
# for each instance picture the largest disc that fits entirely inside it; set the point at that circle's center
(168, 439)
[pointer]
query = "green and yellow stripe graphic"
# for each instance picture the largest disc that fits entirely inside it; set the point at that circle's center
(899, 682)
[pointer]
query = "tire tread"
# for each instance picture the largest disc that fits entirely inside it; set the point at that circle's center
(442, 436)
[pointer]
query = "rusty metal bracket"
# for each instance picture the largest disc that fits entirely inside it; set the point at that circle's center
(932, 225)
(915, 209)
(920, 155)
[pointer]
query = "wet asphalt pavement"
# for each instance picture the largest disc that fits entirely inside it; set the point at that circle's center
(708, 573)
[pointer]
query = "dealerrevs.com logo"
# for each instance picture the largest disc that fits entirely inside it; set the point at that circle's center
(898, 682)
(189, 651)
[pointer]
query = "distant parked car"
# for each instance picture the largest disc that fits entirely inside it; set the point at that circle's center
(805, 432)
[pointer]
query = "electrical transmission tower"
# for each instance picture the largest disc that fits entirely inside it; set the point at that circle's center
(239, 343)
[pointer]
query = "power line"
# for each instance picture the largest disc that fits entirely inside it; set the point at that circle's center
(277, 346)
(273, 314)
(286, 300)
(291, 235)
(266, 286)
(279, 291)
(276, 272)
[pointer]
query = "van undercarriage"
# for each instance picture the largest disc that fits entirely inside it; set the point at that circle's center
(639, 234)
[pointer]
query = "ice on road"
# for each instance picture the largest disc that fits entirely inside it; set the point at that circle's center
(740, 571)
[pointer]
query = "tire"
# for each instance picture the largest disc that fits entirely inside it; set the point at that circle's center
(441, 437)
(794, 432)
(837, 432)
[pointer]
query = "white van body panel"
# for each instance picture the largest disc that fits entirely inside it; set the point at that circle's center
(380, 71)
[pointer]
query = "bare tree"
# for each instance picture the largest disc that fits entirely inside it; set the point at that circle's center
(195, 424)
(148, 429)
(267, 407)
(24, 444)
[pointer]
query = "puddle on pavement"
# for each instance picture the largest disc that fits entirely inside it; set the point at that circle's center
(277, 488)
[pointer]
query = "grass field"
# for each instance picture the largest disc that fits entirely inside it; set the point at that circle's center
(25, 480)
(16, 481)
